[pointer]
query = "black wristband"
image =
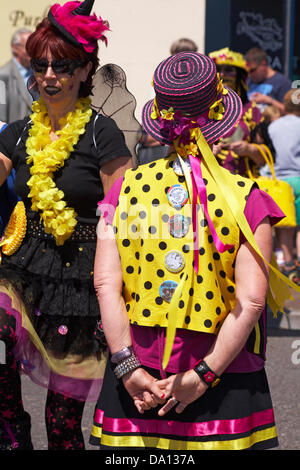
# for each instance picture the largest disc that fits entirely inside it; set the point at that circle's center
(206, 374)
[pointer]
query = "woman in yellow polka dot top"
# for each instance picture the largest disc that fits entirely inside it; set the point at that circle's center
(181, 290)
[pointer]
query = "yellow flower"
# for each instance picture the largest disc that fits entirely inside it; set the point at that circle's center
(15, 230)
(195, 133)
(46, 157)
(220, 87)
(155, 112)
(216, 110)
(248, 116)
(193, 149)
(167, 114)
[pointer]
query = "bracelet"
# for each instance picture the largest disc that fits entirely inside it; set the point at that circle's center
(129, 364)
(121, 355)
(206, 374)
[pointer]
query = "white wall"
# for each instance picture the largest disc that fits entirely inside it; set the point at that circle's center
(141, 35)
(142, 32)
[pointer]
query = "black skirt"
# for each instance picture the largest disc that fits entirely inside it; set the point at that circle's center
(55, 283)
(237, 414)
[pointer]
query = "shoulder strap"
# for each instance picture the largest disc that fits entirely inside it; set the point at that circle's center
(23, 130)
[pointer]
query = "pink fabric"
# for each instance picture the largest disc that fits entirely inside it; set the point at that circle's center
(190, 346)
(167, 427)
(200, 188)
(37, 368)
(259, 206)
(108, 205)
(87, 30)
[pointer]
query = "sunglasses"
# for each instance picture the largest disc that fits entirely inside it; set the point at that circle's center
(60, 66)
(252, 70)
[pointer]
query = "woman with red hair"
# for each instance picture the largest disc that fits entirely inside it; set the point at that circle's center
(66, 157)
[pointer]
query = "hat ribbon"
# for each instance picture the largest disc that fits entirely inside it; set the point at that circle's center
(199, 189)
(278, 291)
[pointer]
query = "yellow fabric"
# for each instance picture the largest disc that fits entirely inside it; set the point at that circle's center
(142, 301)
(15, 230)
(197, 312)
(227, 57)
(175, 444)
(278, 291)
(74, 366)
(241, 134)
(46, 157)
(279, 190)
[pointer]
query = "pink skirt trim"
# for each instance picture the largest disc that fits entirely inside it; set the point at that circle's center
(227, 426)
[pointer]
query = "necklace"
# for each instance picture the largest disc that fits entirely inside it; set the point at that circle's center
(46, 157)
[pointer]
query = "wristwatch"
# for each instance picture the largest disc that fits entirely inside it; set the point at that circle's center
(209, 377)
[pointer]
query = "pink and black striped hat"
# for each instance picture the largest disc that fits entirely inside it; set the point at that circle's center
(188, 82)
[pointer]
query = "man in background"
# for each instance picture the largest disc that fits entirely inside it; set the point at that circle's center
(266, 86)
(15, 100)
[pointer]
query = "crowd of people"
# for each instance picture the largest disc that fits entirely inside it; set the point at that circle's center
(156, 311)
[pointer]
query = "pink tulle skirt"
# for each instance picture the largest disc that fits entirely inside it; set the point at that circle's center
(73, 376)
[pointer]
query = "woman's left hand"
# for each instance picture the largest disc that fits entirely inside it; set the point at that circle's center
(185, 388)
(144, 389)
(241, 148)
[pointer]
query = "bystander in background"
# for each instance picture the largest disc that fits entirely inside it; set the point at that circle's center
(266, 85)
(15, 100)
(285, 136)
(235, 151)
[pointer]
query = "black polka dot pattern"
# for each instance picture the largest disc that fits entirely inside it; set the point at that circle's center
(207, 295)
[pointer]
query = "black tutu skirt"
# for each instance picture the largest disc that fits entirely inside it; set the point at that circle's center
(55, 285)
(237, 414)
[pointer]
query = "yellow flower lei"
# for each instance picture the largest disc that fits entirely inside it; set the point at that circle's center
(47, 157)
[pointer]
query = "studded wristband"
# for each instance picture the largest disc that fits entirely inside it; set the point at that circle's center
(206, 374)
(129, 364)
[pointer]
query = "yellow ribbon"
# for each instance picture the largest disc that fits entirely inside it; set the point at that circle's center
(278, 291)
(171, 328)
(232, 199)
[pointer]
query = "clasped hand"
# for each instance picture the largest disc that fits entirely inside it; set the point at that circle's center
(176, 391)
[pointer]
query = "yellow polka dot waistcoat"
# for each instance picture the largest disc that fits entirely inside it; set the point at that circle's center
(149, 239)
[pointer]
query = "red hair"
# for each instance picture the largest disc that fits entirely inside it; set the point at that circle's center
(47, 38)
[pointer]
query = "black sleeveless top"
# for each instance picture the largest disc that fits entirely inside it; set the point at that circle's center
(79, 179)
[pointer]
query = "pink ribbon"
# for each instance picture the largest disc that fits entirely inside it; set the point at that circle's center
(199, 189)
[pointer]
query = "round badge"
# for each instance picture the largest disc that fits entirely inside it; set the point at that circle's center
(178, 168)
(177, 196)
(174, 261)
(63, 330)
(167, 289)
(179, 225)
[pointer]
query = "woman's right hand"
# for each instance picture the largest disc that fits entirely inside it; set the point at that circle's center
(217, 148)
(144, 389)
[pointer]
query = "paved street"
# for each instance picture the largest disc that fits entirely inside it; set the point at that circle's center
(283, 369)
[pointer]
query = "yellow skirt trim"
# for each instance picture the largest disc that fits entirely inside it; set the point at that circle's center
(173, 444)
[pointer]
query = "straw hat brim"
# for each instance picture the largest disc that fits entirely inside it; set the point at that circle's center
(212, 131)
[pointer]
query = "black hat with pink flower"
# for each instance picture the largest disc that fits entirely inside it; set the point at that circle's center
(75, 22)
